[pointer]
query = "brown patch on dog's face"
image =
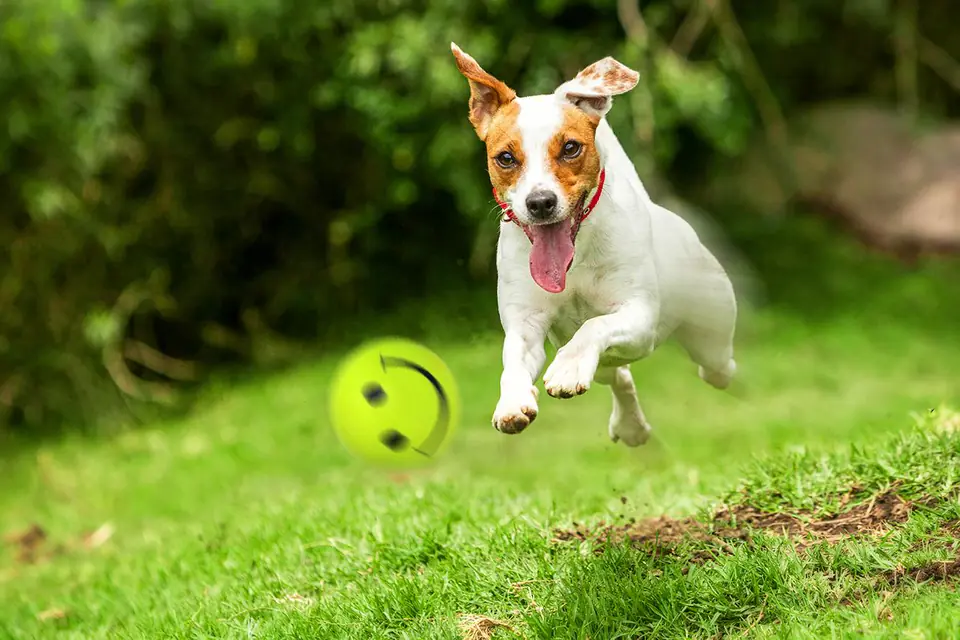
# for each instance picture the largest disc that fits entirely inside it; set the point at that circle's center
(572, 154)
(504, 141)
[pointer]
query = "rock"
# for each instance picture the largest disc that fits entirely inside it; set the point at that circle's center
(896, 187)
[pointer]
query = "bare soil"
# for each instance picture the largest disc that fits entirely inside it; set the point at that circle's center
(738, 522)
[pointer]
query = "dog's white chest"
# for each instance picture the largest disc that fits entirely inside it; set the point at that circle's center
(588, 296)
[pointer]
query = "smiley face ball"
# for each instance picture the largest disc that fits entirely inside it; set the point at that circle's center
(393, 402)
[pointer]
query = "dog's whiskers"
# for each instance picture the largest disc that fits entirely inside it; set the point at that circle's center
(496, 211)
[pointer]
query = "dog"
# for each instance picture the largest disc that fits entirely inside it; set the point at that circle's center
(585, 259)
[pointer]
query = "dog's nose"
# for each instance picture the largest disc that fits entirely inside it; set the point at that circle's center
(541, 204)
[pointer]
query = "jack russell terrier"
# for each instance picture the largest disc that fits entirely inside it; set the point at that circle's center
(585, 258)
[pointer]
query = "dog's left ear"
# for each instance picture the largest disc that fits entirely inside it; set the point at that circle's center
(594, 87)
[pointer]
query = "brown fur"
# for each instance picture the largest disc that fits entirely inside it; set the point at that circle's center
(503, 135)
(609, 76)
(594, 85)
(575, 176)
(579, 175)
(487, 94)
(494, 112)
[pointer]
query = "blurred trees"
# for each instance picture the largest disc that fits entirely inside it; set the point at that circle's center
(181, 179)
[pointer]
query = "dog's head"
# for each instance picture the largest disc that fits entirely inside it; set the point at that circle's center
(542, 155)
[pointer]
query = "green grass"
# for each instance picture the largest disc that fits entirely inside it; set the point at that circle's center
(247, 520)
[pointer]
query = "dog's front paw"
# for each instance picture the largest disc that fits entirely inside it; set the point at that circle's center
(516, 411)
(571, 372)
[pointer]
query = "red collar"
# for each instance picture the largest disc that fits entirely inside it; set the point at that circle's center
(508, 212)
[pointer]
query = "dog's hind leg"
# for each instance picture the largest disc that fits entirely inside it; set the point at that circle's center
(627, 422)
(708, 323)
(712, 349)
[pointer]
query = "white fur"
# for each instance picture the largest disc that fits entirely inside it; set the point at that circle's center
(539, 120)
(639, 275)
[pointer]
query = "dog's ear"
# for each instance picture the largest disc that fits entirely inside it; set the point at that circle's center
(487, 94)
(594, 87)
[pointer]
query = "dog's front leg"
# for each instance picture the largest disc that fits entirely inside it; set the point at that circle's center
(628, 334)
(523, 359)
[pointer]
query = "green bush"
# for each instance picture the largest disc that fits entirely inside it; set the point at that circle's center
(190, 176)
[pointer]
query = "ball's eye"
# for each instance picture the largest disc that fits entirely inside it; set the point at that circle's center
(571, 149)
(374, 394)
(506, 160)
(394, 440)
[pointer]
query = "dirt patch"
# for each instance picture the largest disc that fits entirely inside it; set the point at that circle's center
(937, 571)
(738, 522)
(27, 544)
(867, 518)
(33, 544)
(51, 614)
(474, 627)
(662, 533)
(940, 571)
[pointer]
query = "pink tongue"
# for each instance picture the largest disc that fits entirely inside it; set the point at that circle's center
(551, 255)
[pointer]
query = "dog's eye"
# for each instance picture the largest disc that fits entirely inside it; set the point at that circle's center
(572, 149)
(506, 159)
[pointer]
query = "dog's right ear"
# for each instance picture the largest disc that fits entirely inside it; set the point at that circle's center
(487, 94)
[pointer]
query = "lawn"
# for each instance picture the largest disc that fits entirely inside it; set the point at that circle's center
(247, 520)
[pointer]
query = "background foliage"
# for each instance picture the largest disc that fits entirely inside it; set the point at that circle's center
(193, 184)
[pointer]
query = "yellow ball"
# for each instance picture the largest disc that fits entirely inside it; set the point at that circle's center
(394, 403)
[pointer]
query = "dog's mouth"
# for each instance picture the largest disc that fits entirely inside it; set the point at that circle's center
(553, 249)
(552, 254)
